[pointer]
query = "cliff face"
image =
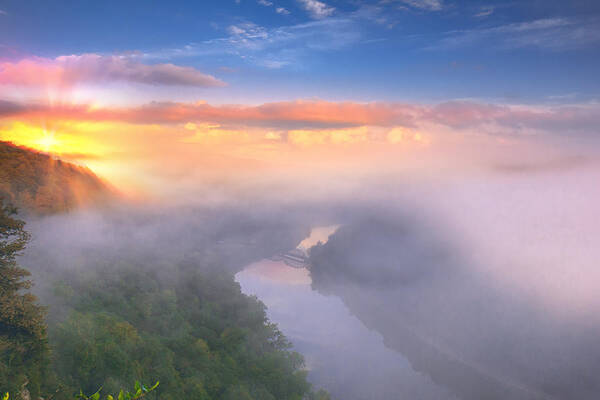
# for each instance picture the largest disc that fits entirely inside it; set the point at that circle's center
(40, 184)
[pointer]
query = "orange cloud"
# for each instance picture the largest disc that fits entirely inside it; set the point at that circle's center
(325, 137)
(311, 115)
(399, 135)
(299, 114)
(163, 144)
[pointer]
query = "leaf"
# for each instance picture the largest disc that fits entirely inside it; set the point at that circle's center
(96, 396)
(5, 397)
(137, 386)
(154, 387)
(121, 395)
(109, 397)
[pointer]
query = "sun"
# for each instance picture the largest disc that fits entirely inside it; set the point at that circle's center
(32, 136)
(47, 142)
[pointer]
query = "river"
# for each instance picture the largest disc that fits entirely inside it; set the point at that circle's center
(342, 356)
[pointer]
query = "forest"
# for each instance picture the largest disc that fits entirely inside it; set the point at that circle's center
(119, 320)
(40, 184)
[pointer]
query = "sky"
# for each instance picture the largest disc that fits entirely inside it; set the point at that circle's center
(225, 84)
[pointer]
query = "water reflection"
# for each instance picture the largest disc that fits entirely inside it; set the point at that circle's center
(342, 355)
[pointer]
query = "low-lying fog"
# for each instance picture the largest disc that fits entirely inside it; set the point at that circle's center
(471, 285)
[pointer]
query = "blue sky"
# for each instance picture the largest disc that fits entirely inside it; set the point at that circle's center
(388, 50)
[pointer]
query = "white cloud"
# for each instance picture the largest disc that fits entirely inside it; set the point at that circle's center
(432, 5)
(274, 64)
(278, 10)
(234, 30)
(283, 46)
(273, 47)
(547, 33)
(484, 12)
(539, 24)
(2, 12)
(247, 31)
(317, 9)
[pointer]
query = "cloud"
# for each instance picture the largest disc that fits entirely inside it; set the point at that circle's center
(463, 114)
(2, 12)
(539, 24)
(336, 136)
(290, 115)
(273, 64)
(363, 133)
(547, 33)
(247, 32)
(274, 47)
(317, 9)
(95, 69)
(515, 120)
(278, 10)
(485, 11)
(455, 116)
(8, 108)
(430, 5)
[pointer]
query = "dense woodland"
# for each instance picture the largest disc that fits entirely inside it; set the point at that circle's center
(24, 353)
(144, 310)
(114, 322)
(38, 183)
(198, 334)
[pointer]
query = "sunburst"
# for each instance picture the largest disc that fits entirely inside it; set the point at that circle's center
(48, 141)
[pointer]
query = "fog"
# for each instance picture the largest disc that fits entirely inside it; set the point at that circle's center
(487, 285)
(479, 277)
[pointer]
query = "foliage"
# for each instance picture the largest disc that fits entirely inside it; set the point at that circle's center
(23, 344)
(139, 391)
(38, 183)
(132, 314)
(192, 328)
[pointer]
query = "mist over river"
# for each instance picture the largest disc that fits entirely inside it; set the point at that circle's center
(342, 355)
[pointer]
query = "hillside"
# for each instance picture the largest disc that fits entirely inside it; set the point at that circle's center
(40, 184)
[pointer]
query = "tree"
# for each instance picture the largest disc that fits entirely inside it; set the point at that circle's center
(24, 354)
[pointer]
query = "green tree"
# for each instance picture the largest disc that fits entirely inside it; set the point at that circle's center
(23, 345)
